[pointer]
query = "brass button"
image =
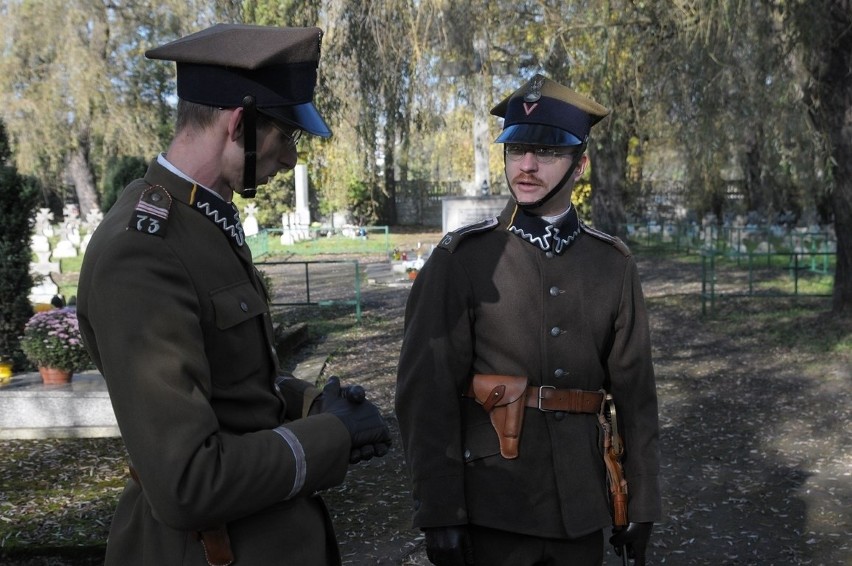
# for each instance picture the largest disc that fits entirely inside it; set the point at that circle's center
(554, 291)
(555, 331)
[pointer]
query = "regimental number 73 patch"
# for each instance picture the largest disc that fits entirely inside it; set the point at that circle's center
(152, 212)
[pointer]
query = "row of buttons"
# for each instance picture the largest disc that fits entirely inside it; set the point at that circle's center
(556, 331)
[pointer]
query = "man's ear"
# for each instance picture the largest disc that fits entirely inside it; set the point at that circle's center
(581, 167)
(235, 124)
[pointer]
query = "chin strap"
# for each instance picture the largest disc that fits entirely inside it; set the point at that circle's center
(552, 193)
(250, 147)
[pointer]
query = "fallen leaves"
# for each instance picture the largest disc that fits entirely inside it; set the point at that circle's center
(754, 413)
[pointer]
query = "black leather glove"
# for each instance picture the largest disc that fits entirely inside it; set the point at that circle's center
(448, 546)
(367, 429)
(634, 537)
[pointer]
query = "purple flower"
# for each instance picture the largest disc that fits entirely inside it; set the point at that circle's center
(52, 338)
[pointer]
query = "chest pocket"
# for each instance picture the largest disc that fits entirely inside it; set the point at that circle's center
(235, 304)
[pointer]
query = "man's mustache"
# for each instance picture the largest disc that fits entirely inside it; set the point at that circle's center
(527, 179)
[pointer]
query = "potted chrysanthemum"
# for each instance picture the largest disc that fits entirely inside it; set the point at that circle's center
(52, 341)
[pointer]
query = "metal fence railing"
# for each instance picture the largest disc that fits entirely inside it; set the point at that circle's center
(765, 275)
(748, 261)
(314, 283)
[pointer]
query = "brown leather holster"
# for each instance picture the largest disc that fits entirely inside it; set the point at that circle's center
(504, 399)
(215, 542)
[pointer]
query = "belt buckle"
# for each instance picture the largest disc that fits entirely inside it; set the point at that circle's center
(540, 397)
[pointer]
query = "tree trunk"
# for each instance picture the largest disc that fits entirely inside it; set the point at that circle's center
(481, 139)
(831, 68)
(84, 182)
(481, 95)
(840, 133)
(388, 204)
(608, 176)
(842, 200)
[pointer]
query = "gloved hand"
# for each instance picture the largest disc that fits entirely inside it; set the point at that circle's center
(448, 546)
(367, 429)
(634, 537)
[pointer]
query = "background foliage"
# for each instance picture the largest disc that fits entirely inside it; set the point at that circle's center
(724, 107)
(18, 202)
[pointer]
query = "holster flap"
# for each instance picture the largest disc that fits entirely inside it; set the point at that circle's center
(498, 390)
(504, 398)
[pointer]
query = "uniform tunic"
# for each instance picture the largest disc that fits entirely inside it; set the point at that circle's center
(494, 301)
(175, 317)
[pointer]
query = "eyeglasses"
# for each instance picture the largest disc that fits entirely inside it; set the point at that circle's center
(543, 154)
(291, 135)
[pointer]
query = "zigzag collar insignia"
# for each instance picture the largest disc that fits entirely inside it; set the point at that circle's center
(221, 213)
(548, 237)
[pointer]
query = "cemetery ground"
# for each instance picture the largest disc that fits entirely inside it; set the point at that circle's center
(755, 406)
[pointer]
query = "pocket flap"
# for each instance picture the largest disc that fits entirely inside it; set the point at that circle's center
(236, 303)
(497, 390)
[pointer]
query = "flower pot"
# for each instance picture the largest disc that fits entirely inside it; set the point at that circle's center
(5, 372)
(54, 376)
(412, 275)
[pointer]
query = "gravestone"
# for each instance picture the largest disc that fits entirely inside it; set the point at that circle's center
(45, 288)
(458, 211)
(250, 227)
(93, 218)
(296, 225)
(65, 247)
(44, 222)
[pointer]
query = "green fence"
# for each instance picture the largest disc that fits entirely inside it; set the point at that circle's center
(766, 275)
(734, 240)
(749, 261)
(314, 283)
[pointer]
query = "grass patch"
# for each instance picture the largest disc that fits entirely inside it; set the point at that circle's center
(321, 320)
(792, 323)
(374, 244)
(59, 493)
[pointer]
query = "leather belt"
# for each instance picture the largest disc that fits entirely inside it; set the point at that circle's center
(549, 399)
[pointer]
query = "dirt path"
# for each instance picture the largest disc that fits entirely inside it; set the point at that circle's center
(757, 457)
(755, 406)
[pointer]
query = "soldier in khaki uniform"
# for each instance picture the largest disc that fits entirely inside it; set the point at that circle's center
(513, 329)
(226, 454)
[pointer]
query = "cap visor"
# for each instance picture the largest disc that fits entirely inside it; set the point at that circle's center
(303, 116)
(538, 134)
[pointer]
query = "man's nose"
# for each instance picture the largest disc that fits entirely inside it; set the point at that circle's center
(288, 158)
(529, 162)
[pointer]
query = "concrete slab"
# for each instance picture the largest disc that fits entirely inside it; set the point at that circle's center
(30, 409)
(82, 409)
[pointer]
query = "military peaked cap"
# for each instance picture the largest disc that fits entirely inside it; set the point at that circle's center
(544, 112)
(277, 66)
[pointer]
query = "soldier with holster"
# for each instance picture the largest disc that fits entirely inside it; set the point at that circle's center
(525, 392)
(227, 453)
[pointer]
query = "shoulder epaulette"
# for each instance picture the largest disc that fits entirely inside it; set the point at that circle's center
(615, 241)
(151, 214)
(451, 240)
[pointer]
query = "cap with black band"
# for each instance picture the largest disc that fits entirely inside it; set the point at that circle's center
(265, 69)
